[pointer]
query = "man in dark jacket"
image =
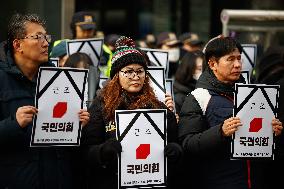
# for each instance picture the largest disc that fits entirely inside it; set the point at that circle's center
(21, 56)
(206, 123)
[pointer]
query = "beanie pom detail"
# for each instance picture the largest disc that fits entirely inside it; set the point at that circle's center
(124, 42)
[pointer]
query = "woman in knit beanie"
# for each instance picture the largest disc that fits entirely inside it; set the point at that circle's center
(128, 89)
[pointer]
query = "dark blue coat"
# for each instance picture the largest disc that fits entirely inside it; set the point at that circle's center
(202, 139)
(21, 166)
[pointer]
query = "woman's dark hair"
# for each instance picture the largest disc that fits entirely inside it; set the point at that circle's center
(220, 47)
(77, 58)
(185, 71)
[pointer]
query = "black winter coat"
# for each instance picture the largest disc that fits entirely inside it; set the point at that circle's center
(202, 139)
(23, 167)
(268, 179)
(180, 92)
(103, 175)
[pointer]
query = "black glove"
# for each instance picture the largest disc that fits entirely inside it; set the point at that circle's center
(110, 149)
(173, 152)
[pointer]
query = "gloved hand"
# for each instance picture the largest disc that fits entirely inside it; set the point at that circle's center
(110, 149)
(173, 151)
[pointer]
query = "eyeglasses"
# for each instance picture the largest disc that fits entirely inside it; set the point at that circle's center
(132, 73)
(39, 37)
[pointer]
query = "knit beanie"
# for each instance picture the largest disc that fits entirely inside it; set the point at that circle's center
(126, 53)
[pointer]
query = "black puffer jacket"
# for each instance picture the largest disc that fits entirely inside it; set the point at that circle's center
(202, 139)
(101, 174)
(21, 166)
(180, 92)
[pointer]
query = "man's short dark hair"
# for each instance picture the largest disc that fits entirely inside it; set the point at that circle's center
(220, 47)
(17, 26)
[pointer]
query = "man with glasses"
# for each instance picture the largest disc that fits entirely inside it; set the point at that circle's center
(21, 56)
(207, 124)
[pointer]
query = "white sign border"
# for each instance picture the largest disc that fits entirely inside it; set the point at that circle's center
(166, 67)
(86, 41)
(235, 113)
(58, 69)
(119, 139)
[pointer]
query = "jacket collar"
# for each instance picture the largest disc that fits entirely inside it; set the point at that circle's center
(209, 81)
(7, 62)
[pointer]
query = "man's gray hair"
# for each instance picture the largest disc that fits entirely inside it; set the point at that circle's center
(17, 26)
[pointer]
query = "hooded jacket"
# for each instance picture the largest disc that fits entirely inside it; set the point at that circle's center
(202, 139)
(20, 165)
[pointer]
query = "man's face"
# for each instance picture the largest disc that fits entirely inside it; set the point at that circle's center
(34, 46)
(84, 34)
(228, 68)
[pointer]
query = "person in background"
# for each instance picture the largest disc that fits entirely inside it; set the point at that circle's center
(83, 26)
(206, 123)
(169, 42)
(59, 51)
(110, 41)
(190, 43)
(128, 89)
(79, 60)
(23, 167)
(150, 41)
(141, 43)
(187, 74)
(82, 61)
(270, 71)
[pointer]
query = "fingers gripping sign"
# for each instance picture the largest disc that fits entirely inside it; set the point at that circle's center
(277, 126)
(230, 126)
(169, 101)
(24, 115)
(84, 116)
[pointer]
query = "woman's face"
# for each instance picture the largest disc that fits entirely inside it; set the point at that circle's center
(198, 68)
(132, 77)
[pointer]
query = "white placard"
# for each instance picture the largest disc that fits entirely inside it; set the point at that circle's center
(245, 74)
(54, 61)
(157, 81)
(102, 81)
(59, 98)
(249, 57)
(86, 96)
(158, 58)
(142, 135)
(92, 47)
(169, 89)
(256, 106)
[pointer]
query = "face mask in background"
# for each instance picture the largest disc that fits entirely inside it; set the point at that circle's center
(174, 54)
(196, 75)
(198, 69)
